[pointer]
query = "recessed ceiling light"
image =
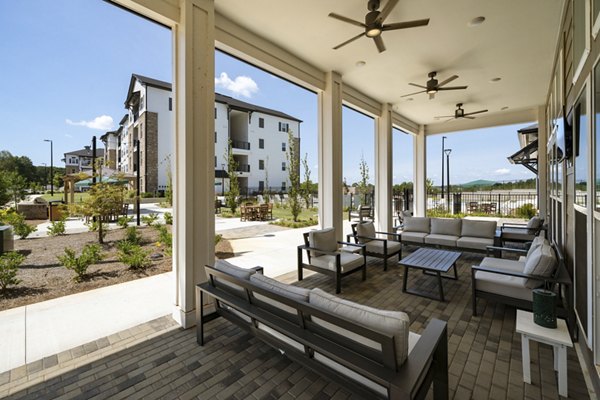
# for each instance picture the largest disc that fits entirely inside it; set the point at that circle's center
(504, 108)
(496, 79)
(476, 22)
(361, 63)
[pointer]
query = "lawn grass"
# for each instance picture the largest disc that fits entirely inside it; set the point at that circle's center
(79, 197)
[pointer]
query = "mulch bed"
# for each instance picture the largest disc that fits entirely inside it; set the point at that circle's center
(44, 278)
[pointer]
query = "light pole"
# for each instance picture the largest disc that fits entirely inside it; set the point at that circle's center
(443, 144)
(51, 167)
(223, 180)
(448, 151)
(45, 176)
(137, 186)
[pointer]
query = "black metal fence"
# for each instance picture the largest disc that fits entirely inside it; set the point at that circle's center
(506, 203)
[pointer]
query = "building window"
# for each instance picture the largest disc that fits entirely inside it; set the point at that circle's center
(261, 186)
(261, 143)
(283, 146)
(215, 137)
(261, 122)
(261, 164)
(283, 188)
(580, 143)
(215, 112)
(170, 104)
(215, 161)
(283, 166)
(283, 127)
(596, 182)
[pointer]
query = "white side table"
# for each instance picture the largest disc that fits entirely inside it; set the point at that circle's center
(558, 338)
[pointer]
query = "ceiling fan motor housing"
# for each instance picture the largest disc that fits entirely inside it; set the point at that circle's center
(459, 113)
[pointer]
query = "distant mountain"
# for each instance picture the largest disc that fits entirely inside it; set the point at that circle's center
(479, 182)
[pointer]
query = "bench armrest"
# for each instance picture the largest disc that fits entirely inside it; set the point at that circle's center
(501, 271)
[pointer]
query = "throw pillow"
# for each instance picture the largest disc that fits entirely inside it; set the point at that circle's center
(366, 229)
(542, 262)
(533, 225)
(537, 242)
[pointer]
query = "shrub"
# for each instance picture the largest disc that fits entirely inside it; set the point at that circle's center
(147, 195)
(527, 211)
(132, 235)
(150, 219)
(9, 266)
(165, 237)
(124, 221)
(288, 223)
(135, 257)
(89, 255)
(56, 228)
(97, 226)
(21, 228)
(168, 218)
(218, 238)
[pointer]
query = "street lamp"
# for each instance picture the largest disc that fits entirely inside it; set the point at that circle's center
(222, 179)
(51, 167)
(136, 149)
(45, 176)
(443, 139)
(448, 151)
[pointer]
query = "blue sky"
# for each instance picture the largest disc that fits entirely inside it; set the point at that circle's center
(66, 69)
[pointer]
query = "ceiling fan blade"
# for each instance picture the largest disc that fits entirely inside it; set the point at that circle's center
(476, 112)
(412, 94)
(348, 41)
(453, 77)
(444, 116)
(346, 19)
(407, 24)
(421, 86)
(379, 43)
(452, 88)
(385, 12)
(431, 96)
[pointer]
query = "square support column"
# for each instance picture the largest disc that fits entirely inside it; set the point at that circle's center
(330, 155)
(542, 163)
(420, 173)
(193, 186)
(383, 170)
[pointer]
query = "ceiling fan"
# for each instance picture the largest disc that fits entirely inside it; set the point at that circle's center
(433, 86)
(374, 25)
(460, 113)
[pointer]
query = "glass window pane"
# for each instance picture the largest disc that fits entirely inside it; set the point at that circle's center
(580, 142)
(597, 132)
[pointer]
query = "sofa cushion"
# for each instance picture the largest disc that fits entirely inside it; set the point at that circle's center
(366, 229)
(479, 229)
(505, 285)
(537, 242)
(442, 240)
(477, 243)
(376, 246)
(446, 226)
(542, 262)
(349, 261)
(272, 285)
(323, 239)
(415, 237)
(416, 224)
(230, 269)
(394, 323)
(501, 263)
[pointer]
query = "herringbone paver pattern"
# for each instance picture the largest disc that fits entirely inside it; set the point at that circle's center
(158, 360)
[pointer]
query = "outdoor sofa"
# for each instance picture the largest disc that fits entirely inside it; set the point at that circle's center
(370, 352)
(468, 234)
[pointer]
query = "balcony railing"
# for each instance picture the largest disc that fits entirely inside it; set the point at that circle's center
(243, 168)
(238, 144)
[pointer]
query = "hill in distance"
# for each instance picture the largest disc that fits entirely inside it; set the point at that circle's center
(479, 182)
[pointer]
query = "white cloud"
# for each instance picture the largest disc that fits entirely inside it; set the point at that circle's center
(502, 171)
(241, 85)
(68, 136)
(103, 123)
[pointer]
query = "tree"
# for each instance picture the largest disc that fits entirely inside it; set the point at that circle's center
(4, 194)
(363, 185)
(306, 186)
(17, 186)
(294, 191)
(169, 188)
(267, 191)
(104, 199)
(234, 186)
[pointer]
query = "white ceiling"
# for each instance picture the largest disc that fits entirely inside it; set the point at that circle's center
(516, 43)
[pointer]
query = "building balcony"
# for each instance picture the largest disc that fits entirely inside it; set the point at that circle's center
(240, 145)
(243, 168)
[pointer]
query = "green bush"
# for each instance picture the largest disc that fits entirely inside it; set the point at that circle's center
(135, 258)
(90, 254)
(125, 246)
(218, 238)
(150, 219)
(168, 218)
(56, 228)
(9, 266)
(147, 195)
(94, 226)
(165, 238)
(20, 228)
(527, 211)
(132, 235)
(124, 221)
(288, 223)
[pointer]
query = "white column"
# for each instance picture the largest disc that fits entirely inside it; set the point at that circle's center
(542, 163)
(330, 154)
(193, 194)
(420, 173)
(383, 170)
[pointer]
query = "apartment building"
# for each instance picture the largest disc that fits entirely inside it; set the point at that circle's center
(259, 139)
(81, 160)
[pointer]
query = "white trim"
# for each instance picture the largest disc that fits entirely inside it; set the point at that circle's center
(587, 47)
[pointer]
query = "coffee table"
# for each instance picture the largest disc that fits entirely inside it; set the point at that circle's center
(432, 262)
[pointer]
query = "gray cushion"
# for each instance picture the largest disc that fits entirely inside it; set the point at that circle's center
(480, 229)
(292, 292)
(416, 224)
(366, 229)
(511, 286)
(415, 237)
(542, 262)
(537, 242)
(534, 223)
(445, 226)
(500, 263)
(519, 234)
(394, 323)
(349, 261)
(228, 268)
(442, 240)
(323, 239)
(376, 246)
(477, 243)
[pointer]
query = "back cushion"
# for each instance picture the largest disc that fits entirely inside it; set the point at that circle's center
(534, 223)
(228, 268)
(480, 229)
(323, 239)
(272, 285)
(537, 242)
(365, 229)
(542, 262)
(445, 226)
(416, 224)
(394, 323)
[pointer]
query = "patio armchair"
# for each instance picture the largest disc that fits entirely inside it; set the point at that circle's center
(400, 216)
(521, 233)
(263, 212)
(325, 257)
(364, 233)
(473, 207)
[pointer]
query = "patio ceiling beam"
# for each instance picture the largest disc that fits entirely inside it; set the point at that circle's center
(165, 12)
(488, 121)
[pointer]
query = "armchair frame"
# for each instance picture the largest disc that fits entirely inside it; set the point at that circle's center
(386, 254)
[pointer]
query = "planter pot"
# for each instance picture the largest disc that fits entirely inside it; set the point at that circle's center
(7, 240)
(544, 308)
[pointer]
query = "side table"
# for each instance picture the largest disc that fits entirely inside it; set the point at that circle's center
(558, 338)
